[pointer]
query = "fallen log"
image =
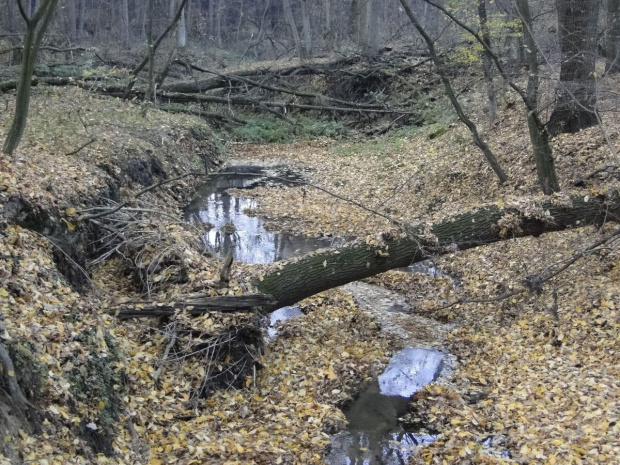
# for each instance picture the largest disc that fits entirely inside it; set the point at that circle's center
(251, 102)
(229, 78)
(197, 305)
(7, 86)
(219, 82)
(317, 272)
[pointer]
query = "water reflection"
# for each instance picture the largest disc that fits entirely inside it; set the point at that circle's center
(374, 434)
(282, 314)
(251, 242)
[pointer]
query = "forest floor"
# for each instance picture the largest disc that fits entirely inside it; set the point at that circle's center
(548, 368)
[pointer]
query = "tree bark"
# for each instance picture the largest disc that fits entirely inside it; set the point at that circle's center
(328, 33)
(211, 18)
(182, 31)
(72, 19)
(151, 52)
(612, 36)
(81, 18)
(36, 26)
(487, 62)
(576, 92)
(307, 29)
(302, 278)
(539, 137)
(290, 19)
(371, 44)
(125, 18)
(218, 22)
(488, 154)
(354, 20)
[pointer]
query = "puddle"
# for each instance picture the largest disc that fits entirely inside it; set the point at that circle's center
(232, 229)
(282, 314)
(374, 434)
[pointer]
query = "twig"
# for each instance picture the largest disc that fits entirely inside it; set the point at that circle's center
(606, 169)
(172, 340)
(83, 146)
(142, 192)
(534, 282)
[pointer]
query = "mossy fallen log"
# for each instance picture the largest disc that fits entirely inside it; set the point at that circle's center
(317, 272)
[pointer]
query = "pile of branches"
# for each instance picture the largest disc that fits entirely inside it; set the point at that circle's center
(228, 360)
(153, 251)
(354, 85)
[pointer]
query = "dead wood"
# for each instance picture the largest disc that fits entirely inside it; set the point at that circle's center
(197, 305)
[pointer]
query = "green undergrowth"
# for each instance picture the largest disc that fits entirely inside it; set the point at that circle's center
(269, 129)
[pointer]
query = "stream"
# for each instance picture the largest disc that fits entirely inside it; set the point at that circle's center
(374, 435)
(249, 240)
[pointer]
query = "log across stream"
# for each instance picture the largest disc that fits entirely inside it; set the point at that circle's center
(374, 434)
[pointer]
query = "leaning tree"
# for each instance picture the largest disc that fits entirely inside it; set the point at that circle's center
(36, 25)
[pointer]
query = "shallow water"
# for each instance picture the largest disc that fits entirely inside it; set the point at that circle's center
(374, 434)
(250, 242)
(282, 314)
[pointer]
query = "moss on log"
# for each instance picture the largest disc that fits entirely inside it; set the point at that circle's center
(317, 272)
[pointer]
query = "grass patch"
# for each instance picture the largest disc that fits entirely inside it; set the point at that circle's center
(269, 130)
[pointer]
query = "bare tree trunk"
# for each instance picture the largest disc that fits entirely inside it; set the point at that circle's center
(240, 22)
(307, 29)
(290, 19)
(612, 36)
(539, 138)
(218, 23)
(182, 31)
(81, 18)
(150, 53)
(72, 19)
(487, 62)
(488, 154)
(371, 44)
(9, 17)
(328, 33)
(36, 25)
(211, 19)
(362, 35)
(355, 20)
(148, 59)
(261, 32)
(126, 35)
(576, 91)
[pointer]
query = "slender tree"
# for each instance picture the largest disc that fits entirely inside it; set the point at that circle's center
(36, 25)
(539, 137)
(306, 42)
(290, 19)
(488, 154)
(487, 62)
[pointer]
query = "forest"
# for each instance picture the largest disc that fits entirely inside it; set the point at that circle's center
(342, 232)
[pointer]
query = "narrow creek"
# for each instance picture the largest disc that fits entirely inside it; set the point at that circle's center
(375, 435)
